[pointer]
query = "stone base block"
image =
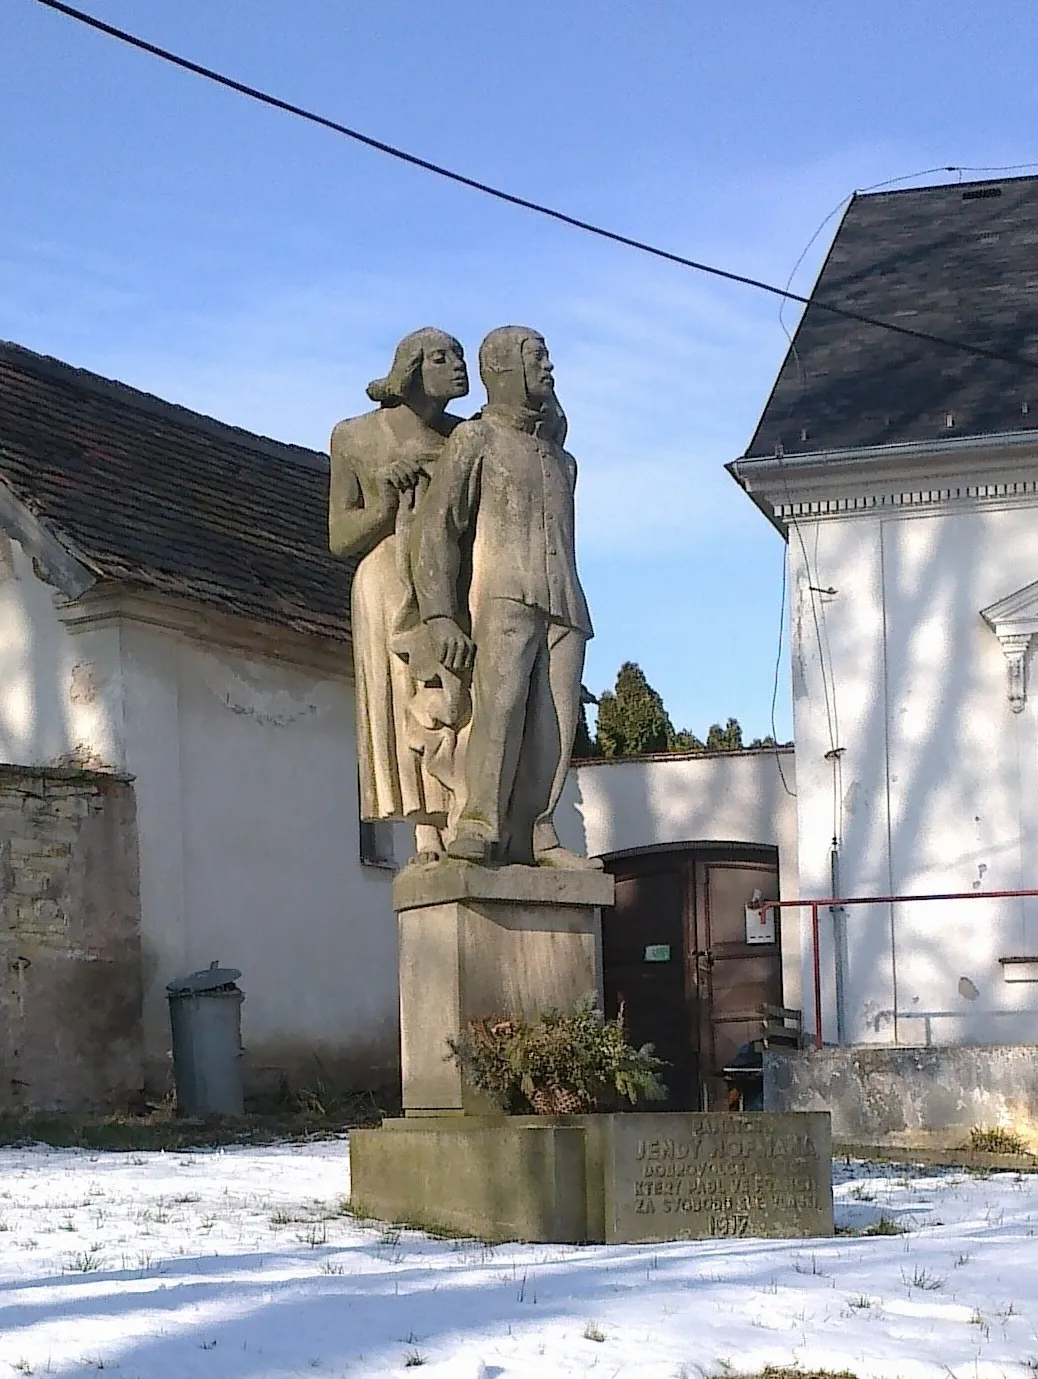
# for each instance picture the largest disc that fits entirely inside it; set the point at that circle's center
(480, 941)
(501, 1178)
(604, 1178)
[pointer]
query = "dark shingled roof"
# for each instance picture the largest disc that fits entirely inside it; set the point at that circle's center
(960, 261)
(163, 499)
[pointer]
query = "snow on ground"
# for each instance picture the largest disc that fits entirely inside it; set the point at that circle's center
(240, 1264)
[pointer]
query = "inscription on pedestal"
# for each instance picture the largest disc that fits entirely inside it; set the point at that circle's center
(724, 1176)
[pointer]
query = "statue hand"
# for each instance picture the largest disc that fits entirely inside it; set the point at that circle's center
(403, 473)
(453, 649)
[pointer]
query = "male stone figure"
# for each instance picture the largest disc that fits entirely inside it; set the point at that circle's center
(494, 571)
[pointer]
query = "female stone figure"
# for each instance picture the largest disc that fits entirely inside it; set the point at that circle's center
(380, 467)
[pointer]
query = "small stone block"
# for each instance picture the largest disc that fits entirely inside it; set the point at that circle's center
(497, 1179)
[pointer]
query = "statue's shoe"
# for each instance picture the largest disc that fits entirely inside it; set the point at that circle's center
(426, 858)
(565, 860)
(470, 847)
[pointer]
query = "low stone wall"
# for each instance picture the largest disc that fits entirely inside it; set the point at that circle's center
(905, 1096)
(70, 953)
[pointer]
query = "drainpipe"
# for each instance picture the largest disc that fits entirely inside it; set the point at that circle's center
(839, 915)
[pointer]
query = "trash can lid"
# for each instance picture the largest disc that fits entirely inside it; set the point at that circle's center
(211, 978)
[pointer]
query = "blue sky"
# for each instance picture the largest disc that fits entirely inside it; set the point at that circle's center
(163, 231)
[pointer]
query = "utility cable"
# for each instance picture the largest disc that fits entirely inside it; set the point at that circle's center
(775, 685)
(613, 236)
(813, 581)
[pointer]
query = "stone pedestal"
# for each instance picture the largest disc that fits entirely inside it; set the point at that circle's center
(616, 1179)
(517, 941)
(486, 941)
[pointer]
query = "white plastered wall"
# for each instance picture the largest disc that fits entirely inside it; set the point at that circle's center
(245, 777)
(909, 754)
(246, 770)
(60, 695)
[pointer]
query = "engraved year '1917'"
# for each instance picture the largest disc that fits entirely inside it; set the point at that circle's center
(725, 1226)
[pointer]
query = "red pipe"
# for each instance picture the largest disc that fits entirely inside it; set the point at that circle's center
(817, 958)
(897, 899)
(831, 903)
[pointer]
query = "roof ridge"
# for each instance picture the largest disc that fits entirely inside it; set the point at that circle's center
(47, 366)
(946, 186)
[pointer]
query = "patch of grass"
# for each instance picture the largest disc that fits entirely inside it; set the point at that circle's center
(593, 1332)
(336, 1211)
(158, 1128)
(996, 1141)
(861, 1303)
(924, 1280)
(85, 1261)
(982, 1326)
(362, 1215)
(791, 1372)
(413, 1358)
(886, 1225)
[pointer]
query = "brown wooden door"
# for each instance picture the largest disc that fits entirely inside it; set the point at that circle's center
(644, 953)
(675, 956)
(736, 978)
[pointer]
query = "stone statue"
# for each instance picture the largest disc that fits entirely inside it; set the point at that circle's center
(494, 570)
(409, 708)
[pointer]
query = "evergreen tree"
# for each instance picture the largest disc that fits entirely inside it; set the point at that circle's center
(583, 746)
(685, 741)
(726, 739)
(632, 720)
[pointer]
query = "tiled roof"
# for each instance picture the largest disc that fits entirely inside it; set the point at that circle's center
(959, 261)
(163, 499)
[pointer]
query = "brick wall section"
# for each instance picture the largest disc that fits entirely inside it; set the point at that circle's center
(70, 951)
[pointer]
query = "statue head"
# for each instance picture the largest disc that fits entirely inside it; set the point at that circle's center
(427, 364)
(515, 367)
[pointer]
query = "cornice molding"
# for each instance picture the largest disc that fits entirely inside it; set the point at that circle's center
(978, 471)
(109, 605)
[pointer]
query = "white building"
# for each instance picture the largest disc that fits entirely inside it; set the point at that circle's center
(903, 474)
(169, 610)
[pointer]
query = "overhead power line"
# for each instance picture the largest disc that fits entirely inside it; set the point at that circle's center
(510, 198)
